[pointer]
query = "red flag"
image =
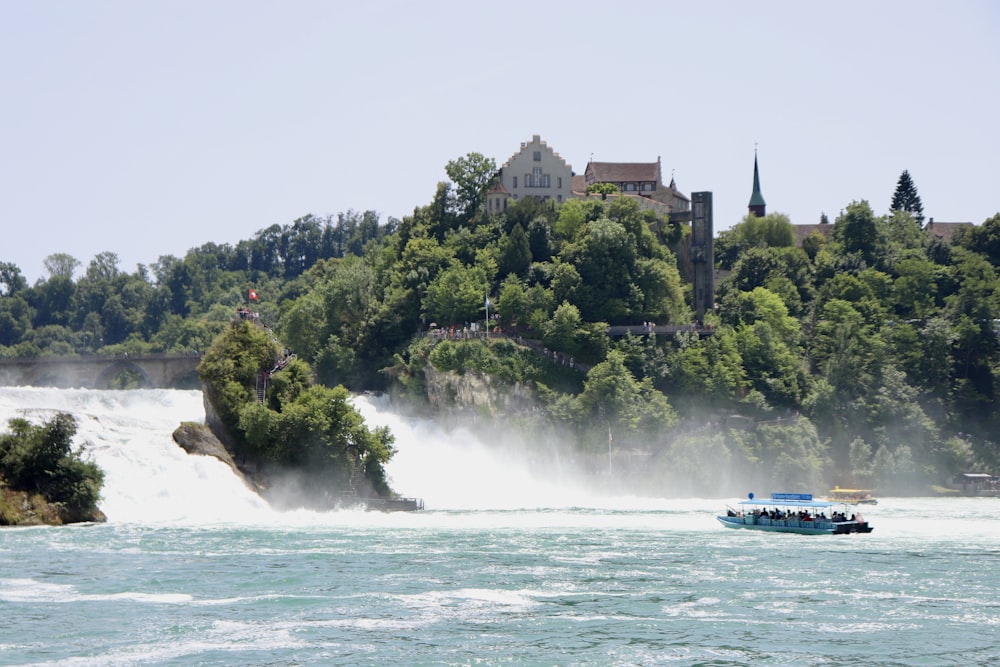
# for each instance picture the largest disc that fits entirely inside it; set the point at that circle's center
(253, 295)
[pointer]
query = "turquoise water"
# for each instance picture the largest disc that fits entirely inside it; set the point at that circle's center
(192, 569)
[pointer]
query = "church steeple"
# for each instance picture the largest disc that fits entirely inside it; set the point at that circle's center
(757, 204)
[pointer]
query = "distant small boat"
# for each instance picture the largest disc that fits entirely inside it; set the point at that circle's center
(853, 496)
(394, 504)
(795, 513)
(977, 484)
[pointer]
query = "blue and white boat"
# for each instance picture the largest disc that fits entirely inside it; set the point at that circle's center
(795, 513)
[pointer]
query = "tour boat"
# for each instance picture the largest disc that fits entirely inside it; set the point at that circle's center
(853, 496)
(795, 513)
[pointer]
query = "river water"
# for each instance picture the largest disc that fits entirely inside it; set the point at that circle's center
(502, 568)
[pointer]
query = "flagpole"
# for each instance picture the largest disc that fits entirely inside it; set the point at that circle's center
(610, 440)
(487, 315)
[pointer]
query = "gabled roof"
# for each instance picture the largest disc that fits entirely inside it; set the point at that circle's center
(802, 232)
(623, 172)
(536, 140)
(945, 230)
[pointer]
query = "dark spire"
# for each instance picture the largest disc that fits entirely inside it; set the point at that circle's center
(757, 203)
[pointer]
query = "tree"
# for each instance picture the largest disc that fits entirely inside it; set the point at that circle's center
(40, 458)
(61, 264)
(473, 175)
(11, 280)
(612, 397)
(603, 189)
(456, 294)
(604, 256)
(774, 230)
(984, 238)
(516, 255)
(859, 233)
(561, 331)
(906, 198)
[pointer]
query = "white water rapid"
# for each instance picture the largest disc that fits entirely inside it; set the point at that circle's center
(150, 480)
(148, 477)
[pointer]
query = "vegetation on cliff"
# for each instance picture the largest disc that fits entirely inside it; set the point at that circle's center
(289, 427)
(43, 479)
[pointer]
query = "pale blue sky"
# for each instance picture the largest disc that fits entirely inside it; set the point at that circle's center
(149, 128)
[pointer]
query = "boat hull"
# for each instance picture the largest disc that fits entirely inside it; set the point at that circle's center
(750, 522)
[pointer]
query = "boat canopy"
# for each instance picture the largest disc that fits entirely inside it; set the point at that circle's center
(788, 500)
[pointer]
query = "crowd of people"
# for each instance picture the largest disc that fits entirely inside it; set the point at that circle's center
(778, 514)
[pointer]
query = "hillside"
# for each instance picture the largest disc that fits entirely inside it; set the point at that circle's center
(863, 357)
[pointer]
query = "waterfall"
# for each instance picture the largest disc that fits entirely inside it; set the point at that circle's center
(148, 477)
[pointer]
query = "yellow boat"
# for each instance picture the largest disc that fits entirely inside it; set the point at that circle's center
(853, 496)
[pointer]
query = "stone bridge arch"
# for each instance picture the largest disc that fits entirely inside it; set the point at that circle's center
(148, 371)
(117, 368)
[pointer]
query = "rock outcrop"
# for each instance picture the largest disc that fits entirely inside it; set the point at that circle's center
(201, 440)
(21, 508)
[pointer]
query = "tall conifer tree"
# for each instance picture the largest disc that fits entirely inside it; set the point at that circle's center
(906, 198)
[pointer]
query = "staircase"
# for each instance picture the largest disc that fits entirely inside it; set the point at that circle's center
(261, 387)
(357, 475)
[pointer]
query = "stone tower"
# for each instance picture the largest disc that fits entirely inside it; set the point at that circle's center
(702, 256)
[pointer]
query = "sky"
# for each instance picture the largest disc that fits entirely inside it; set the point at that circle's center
(150, 128)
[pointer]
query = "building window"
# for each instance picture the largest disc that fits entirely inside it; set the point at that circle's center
(559, 181)
(515, 181)
(538, 156)
(559, 198)
(545, 181)
(536, 177)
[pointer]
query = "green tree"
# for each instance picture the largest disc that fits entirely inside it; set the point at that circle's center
(11, 279)
(773, 230)
(859, 234)
(905, 198)
(61, 264)
(456, 295)
(603, 189)
(562, 330)
(574, 215)
(915, 290)
(604, 256)
(473, 175)
(516, 255)
(760, 304)
(613, 398)
(984, 238)
(15, 319)
(41, 458)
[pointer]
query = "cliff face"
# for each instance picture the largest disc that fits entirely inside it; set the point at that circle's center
(471, 392)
